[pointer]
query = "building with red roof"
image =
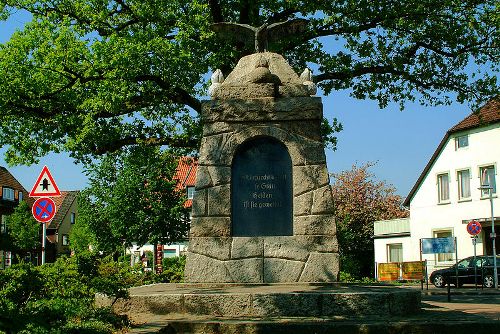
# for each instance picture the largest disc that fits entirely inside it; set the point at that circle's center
(447, 195)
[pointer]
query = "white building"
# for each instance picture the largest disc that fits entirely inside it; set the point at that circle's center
(446, 195)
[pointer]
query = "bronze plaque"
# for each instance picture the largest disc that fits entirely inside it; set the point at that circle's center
(261, 189)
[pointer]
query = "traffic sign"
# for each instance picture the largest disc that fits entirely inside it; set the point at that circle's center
(474, 227)
(44, 209)
(45, 185)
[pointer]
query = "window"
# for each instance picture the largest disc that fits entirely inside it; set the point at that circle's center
(20, 196)
(395, 252)
(8, 194)
(443, 188)
(442, 257)
(3, 225)
(461, 142)
(72, 218)
(190, 192)
(463, 178)
(487, 175)
(65, 239)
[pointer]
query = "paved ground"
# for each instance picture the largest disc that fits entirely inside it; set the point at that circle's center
(468, 311)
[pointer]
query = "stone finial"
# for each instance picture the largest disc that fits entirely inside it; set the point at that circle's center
(217, 79)
(261, 73)
(306, 78)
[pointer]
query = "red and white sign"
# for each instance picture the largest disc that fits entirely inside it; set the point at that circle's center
(44, 209)
(474, 227)
(45, 185)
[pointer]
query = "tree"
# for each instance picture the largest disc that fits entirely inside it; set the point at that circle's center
(23, 230)
(132, 197)
(360, 200)
(93, 77)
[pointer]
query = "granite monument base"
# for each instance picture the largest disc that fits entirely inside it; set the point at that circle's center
(206, 303)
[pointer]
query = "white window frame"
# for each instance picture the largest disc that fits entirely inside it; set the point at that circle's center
(439, 189)
(462, 197)
(72, 218)
(457, 142)
(190, 192)
(485, 192)
(389, 259)
(65, 239)
(8, 194)
(20, 196)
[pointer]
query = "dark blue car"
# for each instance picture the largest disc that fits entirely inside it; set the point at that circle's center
(484, 272)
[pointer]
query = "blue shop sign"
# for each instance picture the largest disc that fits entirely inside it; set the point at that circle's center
(438, 245)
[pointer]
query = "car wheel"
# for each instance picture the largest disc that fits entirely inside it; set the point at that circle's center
(488, 281)
(438, 281)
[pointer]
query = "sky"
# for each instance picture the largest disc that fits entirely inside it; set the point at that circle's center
(400, 142)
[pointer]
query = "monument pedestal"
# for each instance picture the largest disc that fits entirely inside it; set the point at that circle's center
(245, 302)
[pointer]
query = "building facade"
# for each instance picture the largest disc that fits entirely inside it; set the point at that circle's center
(59, 229)
(447, 195)
(11, 193)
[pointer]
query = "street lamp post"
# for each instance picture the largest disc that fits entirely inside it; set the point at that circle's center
(493, 235)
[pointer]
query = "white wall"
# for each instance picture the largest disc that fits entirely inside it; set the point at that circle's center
(428, 216)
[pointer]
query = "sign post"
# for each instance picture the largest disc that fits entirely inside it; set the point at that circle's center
(44, 208)
(474, 228)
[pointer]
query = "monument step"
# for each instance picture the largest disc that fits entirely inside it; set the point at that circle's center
(250, 301)
(424, 323)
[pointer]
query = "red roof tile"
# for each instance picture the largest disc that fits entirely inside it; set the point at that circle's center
(489, 113)
(186, 172)
(8, 180)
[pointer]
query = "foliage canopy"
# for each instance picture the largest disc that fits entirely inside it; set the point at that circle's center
(95, 76)
(132, 197)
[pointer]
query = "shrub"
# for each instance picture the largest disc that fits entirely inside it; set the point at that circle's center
(59, 297)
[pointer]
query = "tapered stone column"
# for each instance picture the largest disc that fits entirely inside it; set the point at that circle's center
(263, 207)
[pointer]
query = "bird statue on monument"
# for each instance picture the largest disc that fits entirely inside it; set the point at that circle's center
(261, 36)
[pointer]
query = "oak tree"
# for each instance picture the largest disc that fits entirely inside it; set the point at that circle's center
(92, 76)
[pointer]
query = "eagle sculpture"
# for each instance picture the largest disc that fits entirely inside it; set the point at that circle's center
(261, 36)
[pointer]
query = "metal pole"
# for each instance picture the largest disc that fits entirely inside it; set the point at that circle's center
(493, 237)
(456, 262)
(474, 241)
(44, 236)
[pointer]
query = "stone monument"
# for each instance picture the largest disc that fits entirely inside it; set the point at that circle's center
(262, 208)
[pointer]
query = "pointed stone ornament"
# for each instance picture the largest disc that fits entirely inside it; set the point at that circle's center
(217, 79)
(306, 78)
(306, 75)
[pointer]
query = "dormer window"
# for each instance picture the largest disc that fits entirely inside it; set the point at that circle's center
(190, 192)
(461, 142)
(8, 194)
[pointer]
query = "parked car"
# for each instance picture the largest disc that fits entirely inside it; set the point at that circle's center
(465, 267)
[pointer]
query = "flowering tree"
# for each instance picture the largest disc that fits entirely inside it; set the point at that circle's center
(360, 199)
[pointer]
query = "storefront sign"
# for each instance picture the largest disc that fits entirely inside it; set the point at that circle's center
(413, 270)
(438, 245)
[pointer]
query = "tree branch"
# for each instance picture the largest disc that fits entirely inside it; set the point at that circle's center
(152, 141)
(174, 94)
(216, 11)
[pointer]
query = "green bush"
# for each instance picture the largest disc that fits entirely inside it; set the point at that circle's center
(59, 297)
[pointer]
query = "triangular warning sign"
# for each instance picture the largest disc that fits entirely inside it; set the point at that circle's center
(45, 185)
